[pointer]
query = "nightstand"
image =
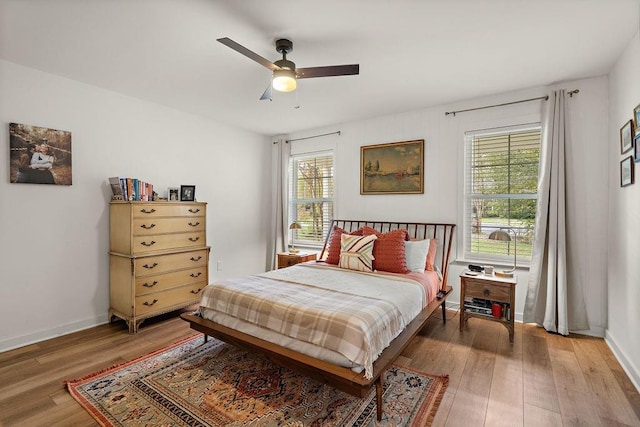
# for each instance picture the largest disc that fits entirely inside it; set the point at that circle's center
(488, 297)
(287, 260)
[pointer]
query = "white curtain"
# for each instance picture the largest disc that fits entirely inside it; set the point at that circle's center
(551, 301)
(280, 209)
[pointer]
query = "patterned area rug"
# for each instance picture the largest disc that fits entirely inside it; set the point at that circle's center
(193, 383)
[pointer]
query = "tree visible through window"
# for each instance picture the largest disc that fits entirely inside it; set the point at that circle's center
(311, 192)
(501, 190)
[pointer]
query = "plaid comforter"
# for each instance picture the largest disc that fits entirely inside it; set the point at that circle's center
(351, 316)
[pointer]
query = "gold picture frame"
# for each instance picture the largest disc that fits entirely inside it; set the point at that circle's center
(394, 168)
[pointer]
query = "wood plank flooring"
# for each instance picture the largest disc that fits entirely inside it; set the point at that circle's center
(539, 380)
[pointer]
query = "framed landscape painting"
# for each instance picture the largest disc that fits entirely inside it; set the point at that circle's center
(395, 168)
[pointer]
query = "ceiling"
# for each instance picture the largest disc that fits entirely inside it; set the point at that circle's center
(412, 54)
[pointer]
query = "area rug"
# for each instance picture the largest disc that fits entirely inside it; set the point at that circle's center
(192, 383)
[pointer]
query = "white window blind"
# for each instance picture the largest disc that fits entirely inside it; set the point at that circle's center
(501, 191)
(311, 197)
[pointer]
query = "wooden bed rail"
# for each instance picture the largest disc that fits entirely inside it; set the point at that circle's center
(416, 230)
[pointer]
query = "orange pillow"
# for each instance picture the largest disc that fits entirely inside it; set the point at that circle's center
(431, 254)
(333, 251)
(388, 250)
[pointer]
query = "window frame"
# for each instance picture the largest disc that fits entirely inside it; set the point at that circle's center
(465, 240)
(293, 202)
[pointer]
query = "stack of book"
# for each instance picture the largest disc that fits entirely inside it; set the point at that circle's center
(477, 305)
(132, 189)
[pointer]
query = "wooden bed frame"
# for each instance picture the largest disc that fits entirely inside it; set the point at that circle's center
(339, 377)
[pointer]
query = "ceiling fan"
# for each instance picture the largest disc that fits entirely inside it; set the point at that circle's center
(285, 73)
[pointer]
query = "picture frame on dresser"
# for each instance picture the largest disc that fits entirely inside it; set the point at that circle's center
(173, 194)
(187, 193)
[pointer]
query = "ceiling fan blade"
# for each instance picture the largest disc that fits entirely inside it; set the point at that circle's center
(267, 94)
(248, 53)
(328, 71)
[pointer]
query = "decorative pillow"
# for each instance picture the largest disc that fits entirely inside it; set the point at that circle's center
(357, 252)
(431, 255)
(333, 251)
(389, 252)
(416, 254)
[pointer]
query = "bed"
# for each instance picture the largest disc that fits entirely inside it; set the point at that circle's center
(379, 303)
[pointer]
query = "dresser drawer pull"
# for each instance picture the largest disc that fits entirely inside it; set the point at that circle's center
(147, 211)
(149, 304)
(146, 285)
(197, 291)
(194, 239)
(194, 210)
(148, 244)
(486, 292)
(155, 264)
(198, 274)
(147, 227)
(195, 225)
(196, 259)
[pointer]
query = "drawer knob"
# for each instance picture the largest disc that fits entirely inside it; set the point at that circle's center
(196, 274)
(147, 285)
(194, 239)
(149, 304)
(196, 259)
(192, 210)
(150, 211)
(155, 264)
(147, 227)
(194, 225)
(148, 244)
(197, 291)
(486, 292)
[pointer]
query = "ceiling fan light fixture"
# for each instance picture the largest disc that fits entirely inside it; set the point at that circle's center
(284, 80)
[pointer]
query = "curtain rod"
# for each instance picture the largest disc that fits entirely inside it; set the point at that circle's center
(314, 136)
(546, 97)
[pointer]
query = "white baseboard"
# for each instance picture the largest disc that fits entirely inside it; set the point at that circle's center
(21, 341)
(632, 371)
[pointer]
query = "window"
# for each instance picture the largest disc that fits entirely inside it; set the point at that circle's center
(311, 190)
(501, 191)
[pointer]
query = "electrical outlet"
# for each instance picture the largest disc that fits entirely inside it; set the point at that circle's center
(219, 266)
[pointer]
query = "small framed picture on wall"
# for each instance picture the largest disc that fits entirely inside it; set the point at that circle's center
(187, 193)
(636, 149)
(626, 137)
(626, 171)
(636, 117)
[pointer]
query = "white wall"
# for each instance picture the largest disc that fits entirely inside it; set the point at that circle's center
(54, 268)
(442, 202)
(624, 210)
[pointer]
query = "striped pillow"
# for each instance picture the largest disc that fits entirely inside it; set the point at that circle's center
(357, 252)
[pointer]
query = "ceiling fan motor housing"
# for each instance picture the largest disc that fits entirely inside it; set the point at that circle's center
(284, 46)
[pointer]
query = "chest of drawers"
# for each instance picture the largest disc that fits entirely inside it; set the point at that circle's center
(158, 258)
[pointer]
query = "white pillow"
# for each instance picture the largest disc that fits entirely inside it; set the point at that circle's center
(416, 254)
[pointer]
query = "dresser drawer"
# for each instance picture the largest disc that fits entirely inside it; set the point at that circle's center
(163, 263)
(142, 244)
(156, 210)
(494, 291)
(159, 301)
(162, 282)
(151, 226)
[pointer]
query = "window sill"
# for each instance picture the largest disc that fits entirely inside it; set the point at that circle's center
(497, 264)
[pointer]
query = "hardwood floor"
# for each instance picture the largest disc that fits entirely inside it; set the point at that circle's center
(539, 380)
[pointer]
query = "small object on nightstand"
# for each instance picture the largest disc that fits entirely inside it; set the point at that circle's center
(294, 227)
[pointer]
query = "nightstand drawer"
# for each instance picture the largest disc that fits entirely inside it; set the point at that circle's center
(491, 291)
